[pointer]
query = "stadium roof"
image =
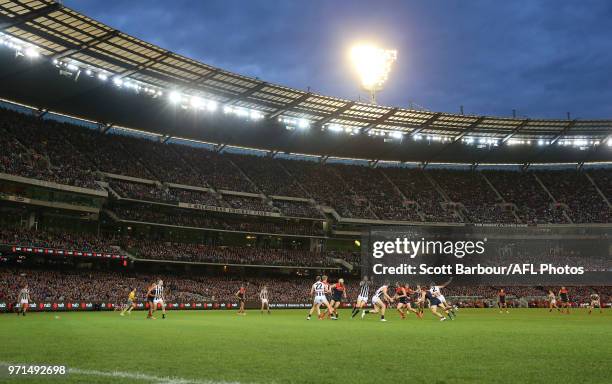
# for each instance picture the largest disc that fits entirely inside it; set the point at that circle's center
(60, 33)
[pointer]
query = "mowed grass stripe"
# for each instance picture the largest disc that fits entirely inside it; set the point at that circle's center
(527, 345)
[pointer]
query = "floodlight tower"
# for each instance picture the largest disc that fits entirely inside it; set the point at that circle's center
(373, 65)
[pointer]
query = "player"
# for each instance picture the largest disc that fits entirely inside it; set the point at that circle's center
(159, 298)
(241, 295)
(263, 296)
(378, 301)
(362, 298)
(595, 302)
(434, 302)
(402, 299)
(338, 293)
(131, 303)
(501, 300)
(409, 294)
(24, 300)
(420, 300)
(150, 300)
(318, 291)
(552, 301)
(436, 291)
(565, 303)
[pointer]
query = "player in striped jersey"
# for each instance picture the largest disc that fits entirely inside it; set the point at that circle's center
(595, 302)
(378, 301)
(24, 300)
(319, 289)
(159, 298)
(362, 299)
(263, 296)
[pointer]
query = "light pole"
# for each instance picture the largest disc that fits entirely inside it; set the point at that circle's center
(373, 65)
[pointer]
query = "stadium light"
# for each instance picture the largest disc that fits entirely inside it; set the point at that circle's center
(32, 53)
(197, 102)
(175, 97)
(211, 105)
(373, 65)
(303, 123)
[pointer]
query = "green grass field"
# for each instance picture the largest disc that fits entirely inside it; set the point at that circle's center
(481, 346)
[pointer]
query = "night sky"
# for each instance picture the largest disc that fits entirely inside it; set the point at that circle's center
(542, 58)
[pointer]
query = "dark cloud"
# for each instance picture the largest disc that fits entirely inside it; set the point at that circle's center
(542, 58)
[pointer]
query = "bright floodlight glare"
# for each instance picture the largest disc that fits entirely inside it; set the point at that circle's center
(197, 102)
(31, 52)
(373, 65)
(211, 105)
(174, 97)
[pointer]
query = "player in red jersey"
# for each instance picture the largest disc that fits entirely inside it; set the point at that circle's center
(402, 299)
(410, 293)
(241, 295)
(501, 300)
(565, 302)
(338, 294)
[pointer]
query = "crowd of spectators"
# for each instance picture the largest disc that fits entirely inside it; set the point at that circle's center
(269, 175)
(577, 192)
(59, 240)
(533, 205)
(384, 198)
(160, 193)
(36, 148)
(141, 191)
(417, 188)
(113, 287)
(603, 180)
(480, 203)
(216, 168)
(200, 219)
(229, 255)
(325, 185)
(294, 208)
(70, 154)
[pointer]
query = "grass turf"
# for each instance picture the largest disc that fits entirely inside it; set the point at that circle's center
(481, 346)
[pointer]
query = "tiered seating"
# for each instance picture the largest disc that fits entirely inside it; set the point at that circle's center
(416, 187)
(216, 169)
(268, 174)
(479, 199)
(578, 193)
(202, 219)
(533, 204)
(297, 209)
(73, 155)
(58, 239)
(385, 201)
(324, 184)
(38, 149)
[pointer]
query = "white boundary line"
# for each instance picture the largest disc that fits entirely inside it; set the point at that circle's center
(132, 376)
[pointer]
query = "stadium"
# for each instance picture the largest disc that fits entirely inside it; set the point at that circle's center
(150, 204)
